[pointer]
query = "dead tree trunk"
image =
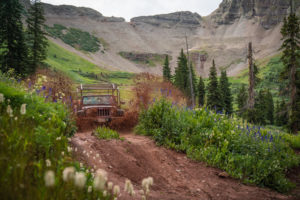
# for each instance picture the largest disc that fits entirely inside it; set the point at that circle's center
(251, 100)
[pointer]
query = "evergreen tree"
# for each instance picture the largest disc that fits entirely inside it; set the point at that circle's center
(214, 100)
(181, 73)
(13, 51)
(269, 107)
(281, 114)
(194, 81)
(201, 92)
(241, 99)
(36, 36)
(291, 38)
(166, 69)
(225, 93)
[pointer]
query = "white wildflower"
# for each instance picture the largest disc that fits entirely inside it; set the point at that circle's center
(91, 152)
(2, 98)
(23, 109)
(9, 111)
(58, 138)
(48, 163)
(75, 149)
(68, 174)
(62, 153)
(104, 193)
(16, 118)
(116, 190)
(100, 179)
(70, 149)
(49, 178)
(80, 179)
(110, 185)
(129, 188)
(69, 139)
(94, 158)
(143, 197)
(83, 152)
(97, 155)
(81, 165)
(89, 189)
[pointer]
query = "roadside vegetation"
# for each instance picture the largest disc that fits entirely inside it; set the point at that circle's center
(106, 133)
(251, 153)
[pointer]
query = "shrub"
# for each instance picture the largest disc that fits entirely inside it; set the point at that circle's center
(106, 133)
(34, 148)
(252, 154)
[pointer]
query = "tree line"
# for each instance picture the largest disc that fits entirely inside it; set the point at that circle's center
(255, 106)
(22, 48)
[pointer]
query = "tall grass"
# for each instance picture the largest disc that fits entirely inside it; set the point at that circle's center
(252, 154)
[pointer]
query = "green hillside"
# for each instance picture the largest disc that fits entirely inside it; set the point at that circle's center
(81, 70)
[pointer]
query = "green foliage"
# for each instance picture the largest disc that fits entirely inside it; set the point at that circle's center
(291, 56)
(81, 70)
(148, 59)
(106, 133)
(75, 37)
(36, 37)
(13, 51)
(241, 99)
(214, 100)
(252, 154)
(224, 87)
(167, 69)
(201, 92)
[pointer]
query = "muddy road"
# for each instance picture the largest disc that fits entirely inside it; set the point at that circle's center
(175, 176)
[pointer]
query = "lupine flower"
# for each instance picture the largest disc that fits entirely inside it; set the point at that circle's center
(49, 178)
(80, 179)
(48, 163)
(2, 98)
(9, 111)
(23, 109)
(116, 190)
(68, 174)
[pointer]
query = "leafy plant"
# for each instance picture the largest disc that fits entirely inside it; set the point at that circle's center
(106, 133)
(255, 155)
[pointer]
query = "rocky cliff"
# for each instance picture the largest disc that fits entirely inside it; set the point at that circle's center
(187, 19)
(268, 12)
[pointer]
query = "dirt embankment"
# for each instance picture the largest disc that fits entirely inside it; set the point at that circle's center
(175, 176)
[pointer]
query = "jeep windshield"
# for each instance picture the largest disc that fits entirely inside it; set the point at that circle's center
(98, 100)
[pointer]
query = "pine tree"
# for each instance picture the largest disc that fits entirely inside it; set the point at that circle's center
(213, 93)
(36, 36)
(166, 69)
(201, 92)
(225, 93)
(181, 73)
(260, 109)
(269, 107)
(241, 99)
(291, 38)
(13, 53)
(281, 114)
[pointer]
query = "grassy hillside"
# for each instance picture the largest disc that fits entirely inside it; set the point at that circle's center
(81, 70)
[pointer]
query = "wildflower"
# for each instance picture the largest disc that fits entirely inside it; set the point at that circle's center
(97, 155)
(100, 179)
(143, 197)
(48, 163)
(75, 149)
(58, 138)
(81, 165)
(104, 193)
(109, 185)
(23, 109)
(116, 190)
(129, 188)
(70, 149)
(89, 189)
(16, 118)
(2, 98)
(49, 178)
(80, 179)
(68, 174)
(9, 111)
(62, 153)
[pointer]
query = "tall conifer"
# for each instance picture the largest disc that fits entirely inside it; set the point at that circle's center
(166, 69)
(201, 92)
(214, 100)
(225, 93)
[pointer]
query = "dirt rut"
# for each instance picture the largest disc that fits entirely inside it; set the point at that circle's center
(175, 176)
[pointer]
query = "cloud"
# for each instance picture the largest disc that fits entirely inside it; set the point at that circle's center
(133, 8)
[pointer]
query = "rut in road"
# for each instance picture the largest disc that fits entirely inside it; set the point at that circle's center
(175, 176)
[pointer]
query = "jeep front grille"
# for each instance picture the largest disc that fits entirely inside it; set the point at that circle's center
(103, 112)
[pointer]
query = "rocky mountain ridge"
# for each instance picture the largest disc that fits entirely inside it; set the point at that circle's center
(223, 35)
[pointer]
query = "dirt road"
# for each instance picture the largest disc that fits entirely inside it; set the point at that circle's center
(175, 176)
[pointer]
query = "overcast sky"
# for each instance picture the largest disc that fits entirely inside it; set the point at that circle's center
(133, 8)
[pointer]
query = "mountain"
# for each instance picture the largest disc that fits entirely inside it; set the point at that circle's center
(223, 35)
